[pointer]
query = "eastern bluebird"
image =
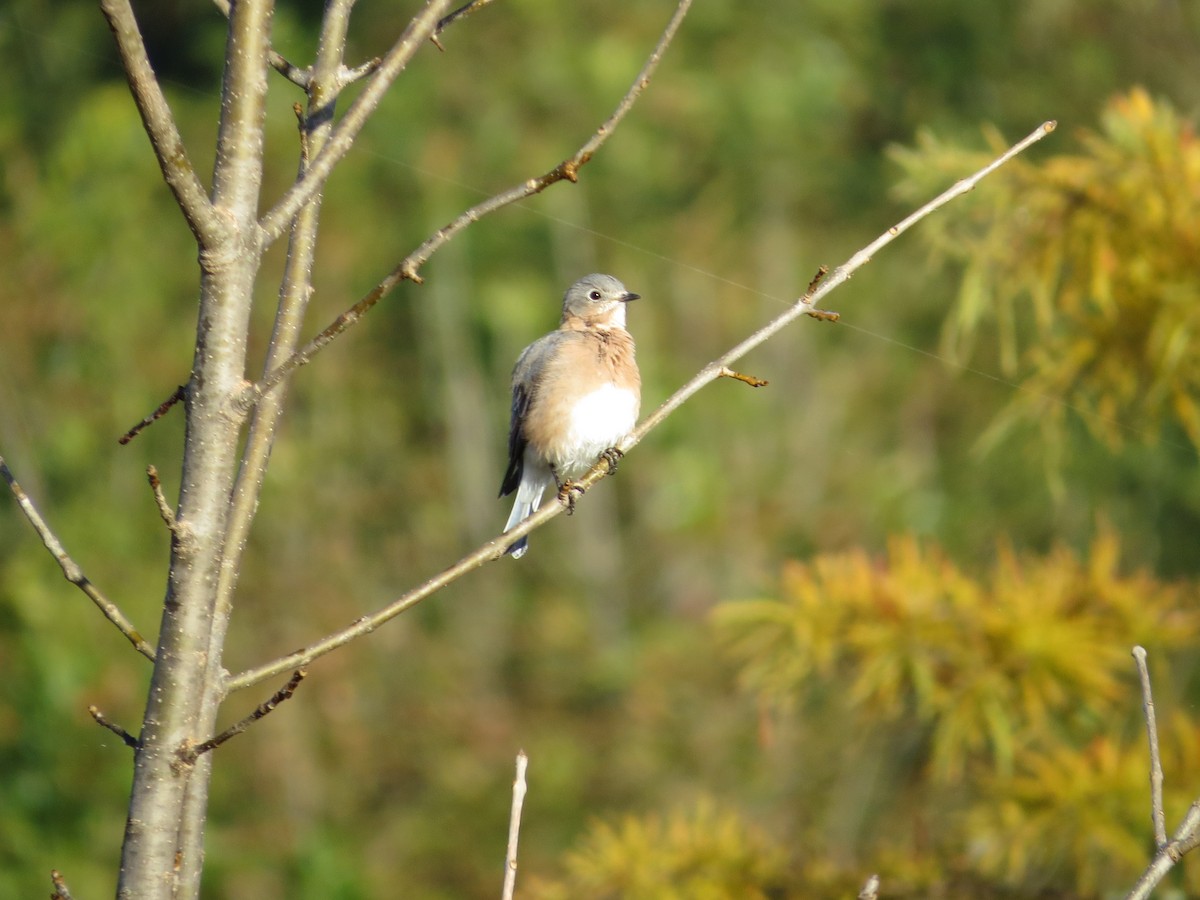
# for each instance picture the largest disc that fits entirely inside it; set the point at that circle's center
(575, 394)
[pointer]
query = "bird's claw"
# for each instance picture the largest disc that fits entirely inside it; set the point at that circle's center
(612, 456)
(567, 492)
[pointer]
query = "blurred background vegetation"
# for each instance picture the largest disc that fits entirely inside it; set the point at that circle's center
(873, 617)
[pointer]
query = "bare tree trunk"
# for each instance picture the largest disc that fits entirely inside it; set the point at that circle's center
(161, 844)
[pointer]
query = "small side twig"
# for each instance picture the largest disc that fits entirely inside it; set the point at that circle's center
(71, 569)
(870, 889)
(514, 827)
(61, 891)
(129, 739)
(461, 13)
(1156, 771)
(348, 76)
(190, 754)
(821, 315)
(726, 372)
(302, 127)
(163, 407)
(160, 500)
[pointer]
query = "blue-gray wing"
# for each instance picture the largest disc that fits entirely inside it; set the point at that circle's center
(516, 440)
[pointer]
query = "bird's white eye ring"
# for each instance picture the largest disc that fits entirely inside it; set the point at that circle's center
(594, 295)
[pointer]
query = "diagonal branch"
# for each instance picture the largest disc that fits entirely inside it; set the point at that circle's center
(70, 568)
(341, 139)
(264, 709)
(408, 268)
(173, 160)
(495, 548)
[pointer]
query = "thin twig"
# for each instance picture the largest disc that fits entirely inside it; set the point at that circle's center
(461, 13)
(726, 372)
(495, 548)
(70, 568)
(514, 827)
(129, 739)
(169, 149)
(180, 393)
(409, 267)
(1156, 771)
(61, 891)
(263, 709)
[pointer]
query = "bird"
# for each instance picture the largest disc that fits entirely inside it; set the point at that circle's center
(576, 393)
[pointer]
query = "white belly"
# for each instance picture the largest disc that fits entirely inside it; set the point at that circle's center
(598, 421)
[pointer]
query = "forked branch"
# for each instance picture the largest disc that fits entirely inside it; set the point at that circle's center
(495, 548)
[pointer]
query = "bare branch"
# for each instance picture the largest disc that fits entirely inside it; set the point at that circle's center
(180, 393)
(70, 568)
(514, 827)
(173, 160)
(806, 305)
(409, 267)
(341, 139)
(262, 710)
(495, 548)
(1156, 771)
(129, 739)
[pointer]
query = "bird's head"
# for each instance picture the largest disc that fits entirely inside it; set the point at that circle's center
(597, 301)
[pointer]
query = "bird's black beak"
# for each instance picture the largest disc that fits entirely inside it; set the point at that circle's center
(629, 295)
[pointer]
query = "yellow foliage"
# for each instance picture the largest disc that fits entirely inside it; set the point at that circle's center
(1100, 247)
(1091, 807)
(987, 665)
(1022, 684)
(698, 854)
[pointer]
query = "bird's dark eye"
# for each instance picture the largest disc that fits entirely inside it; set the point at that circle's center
(594, 295)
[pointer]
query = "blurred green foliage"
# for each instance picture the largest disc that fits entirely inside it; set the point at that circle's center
(758, 153)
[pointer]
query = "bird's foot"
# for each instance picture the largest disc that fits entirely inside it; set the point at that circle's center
(567, 492)
(612, 456)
